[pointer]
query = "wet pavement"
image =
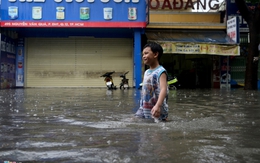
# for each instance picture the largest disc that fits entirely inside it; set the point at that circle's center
(81, 125)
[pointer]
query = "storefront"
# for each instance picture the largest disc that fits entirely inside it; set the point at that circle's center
(238, 63)
(193, 35)
(8, 61)
(72, 43)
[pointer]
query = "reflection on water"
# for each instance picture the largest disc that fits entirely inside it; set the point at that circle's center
(97, 125)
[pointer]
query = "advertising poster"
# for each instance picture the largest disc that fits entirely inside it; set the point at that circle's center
(225, 76)
(216, 71)
(7, 62)
(20, 63)
(74, 13)
(200, 48)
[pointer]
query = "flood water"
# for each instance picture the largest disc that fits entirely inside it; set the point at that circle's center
(94, 125)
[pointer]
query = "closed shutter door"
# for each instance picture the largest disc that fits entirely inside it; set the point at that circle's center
(75, 62)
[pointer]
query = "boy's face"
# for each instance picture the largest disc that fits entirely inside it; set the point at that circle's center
(149, 58)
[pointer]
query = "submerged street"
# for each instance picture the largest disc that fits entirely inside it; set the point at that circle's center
(95, 125)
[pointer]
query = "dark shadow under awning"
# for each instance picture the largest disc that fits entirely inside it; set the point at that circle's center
(195, 42)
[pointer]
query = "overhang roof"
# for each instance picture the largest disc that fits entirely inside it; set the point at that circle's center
(196, 36)
(194, 42)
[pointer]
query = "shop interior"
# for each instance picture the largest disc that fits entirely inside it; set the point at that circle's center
(192, 71)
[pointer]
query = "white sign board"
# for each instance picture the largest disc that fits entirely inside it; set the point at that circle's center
(232, 29)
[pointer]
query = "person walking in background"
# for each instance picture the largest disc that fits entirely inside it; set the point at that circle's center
(153, 103)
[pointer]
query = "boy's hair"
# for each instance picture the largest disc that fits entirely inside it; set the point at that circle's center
(155, 48)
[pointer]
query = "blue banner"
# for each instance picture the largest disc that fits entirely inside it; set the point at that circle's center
(74, 13)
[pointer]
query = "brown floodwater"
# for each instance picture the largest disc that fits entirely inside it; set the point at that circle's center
(95, 125)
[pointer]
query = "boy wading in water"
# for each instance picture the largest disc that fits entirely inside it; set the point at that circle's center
(153, 103)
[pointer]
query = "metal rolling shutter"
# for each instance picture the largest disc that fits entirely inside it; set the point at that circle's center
(76, 62)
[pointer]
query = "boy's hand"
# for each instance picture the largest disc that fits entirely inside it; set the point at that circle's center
(156, 111)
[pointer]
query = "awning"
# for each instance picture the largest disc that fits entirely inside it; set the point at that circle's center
(195, 42)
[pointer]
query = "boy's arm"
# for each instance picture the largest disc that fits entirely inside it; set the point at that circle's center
(163, 91)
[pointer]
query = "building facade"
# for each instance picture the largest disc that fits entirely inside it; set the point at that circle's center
(238, 64)
(72, 43)
(194, 36)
